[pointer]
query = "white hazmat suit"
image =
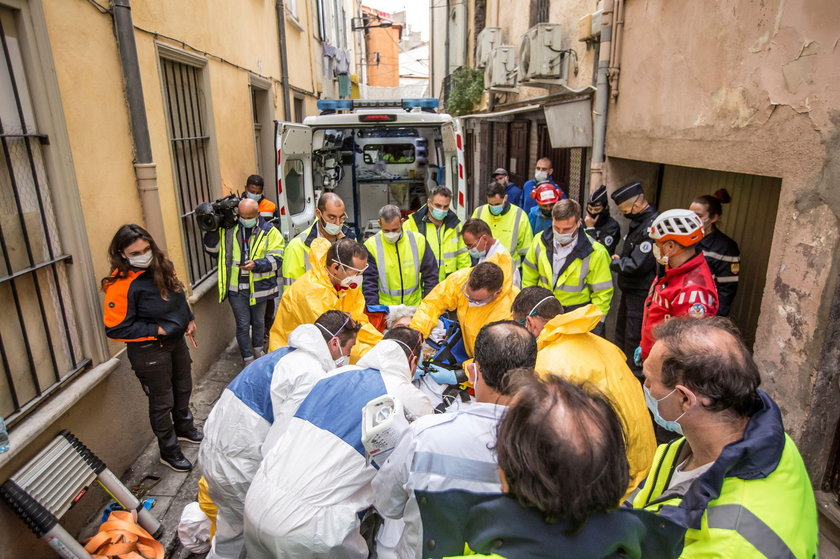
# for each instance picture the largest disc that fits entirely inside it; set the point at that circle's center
(239, 423)
(304, 500)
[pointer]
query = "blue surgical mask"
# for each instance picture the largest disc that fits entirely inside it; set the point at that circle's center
(439, 215)
(253, 196)
(653, 406)
(248, 223)
(497, 210)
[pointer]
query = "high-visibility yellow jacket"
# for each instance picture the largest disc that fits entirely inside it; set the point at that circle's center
(399, 273)
(755, 501)
(567, 348)
(314, 294)
(449, 295)
(296, 258)
(511, 227)
(585, 276)
(265, 248)
(445, 241)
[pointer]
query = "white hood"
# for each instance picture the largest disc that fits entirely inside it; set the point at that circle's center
(388, 357)
(308, 337)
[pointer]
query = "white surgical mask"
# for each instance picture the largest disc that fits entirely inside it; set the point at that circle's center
(541, 176)
(253, 196)
(392, 237)
(563, 238)
(341, 361)
(331, 228)
(142, 261)
(657, 254)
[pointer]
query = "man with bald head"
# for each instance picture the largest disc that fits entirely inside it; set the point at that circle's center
(331, 218)
(249, 255)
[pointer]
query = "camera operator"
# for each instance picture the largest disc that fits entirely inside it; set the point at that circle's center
(249, 253)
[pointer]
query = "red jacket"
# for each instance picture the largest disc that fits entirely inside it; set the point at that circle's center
(686, 290)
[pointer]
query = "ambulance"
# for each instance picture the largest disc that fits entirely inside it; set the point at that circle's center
(371, 153)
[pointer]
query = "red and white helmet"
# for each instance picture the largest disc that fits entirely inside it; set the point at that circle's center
(546, 193)
(681, 226)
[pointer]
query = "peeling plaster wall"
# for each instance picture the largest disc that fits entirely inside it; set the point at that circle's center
(752, 87)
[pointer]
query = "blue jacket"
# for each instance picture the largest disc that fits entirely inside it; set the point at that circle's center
(539, 223)
(514, 194)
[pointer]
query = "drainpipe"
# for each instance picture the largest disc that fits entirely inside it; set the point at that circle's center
(599, 132)
(145, 169)
(615, 57)
(284, 65)
(446, 64)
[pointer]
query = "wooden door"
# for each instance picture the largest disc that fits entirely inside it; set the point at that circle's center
(518, 151)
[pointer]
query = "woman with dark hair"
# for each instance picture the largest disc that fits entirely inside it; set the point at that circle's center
(563, 468)
(721, 252)
(146, 307)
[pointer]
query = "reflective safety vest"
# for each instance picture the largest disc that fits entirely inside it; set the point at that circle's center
(265, 248)
(770, 514)
(296, 257)
(585, 276)
(398, 265)
(511, 227)
(445, 241)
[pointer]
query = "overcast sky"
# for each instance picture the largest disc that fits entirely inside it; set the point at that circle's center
(417, 16)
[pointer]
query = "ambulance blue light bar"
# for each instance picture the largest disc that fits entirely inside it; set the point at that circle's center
(332, 105)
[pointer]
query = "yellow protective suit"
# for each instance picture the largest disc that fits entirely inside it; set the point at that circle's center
(567, 348)
(448, 295)
(312, 295)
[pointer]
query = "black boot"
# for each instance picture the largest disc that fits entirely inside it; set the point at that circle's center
(176, 461)
(191, 435)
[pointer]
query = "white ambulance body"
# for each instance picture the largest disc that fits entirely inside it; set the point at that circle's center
(371, 153)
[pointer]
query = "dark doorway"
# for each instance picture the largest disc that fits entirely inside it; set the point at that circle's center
(518, 151)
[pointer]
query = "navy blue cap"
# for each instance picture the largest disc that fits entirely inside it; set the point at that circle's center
(598, 197)
(628, 191)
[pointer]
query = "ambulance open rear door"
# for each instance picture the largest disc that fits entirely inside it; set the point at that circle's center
(293, 177)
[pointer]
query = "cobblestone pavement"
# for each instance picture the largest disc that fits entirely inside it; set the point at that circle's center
(175, 490)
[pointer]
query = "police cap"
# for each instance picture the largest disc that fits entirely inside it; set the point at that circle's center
(598, 197)
(628, 191)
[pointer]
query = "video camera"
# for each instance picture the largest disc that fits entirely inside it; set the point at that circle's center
(223, 213)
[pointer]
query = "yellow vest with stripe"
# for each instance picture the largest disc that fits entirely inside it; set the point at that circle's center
(398, 265)
(773, 516)
(584, 280)
(264, 242)
(512, 228)
(446, 243)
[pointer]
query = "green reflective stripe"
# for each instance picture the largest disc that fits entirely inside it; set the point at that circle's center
(461, 251)
(602, 285)
(750, 527)
(381, 267)
(452, 254)
(527, 262)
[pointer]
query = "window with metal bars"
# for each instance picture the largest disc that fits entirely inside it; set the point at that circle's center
(40, 346)
(189, 141)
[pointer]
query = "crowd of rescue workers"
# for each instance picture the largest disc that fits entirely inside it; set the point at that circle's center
(447, 389)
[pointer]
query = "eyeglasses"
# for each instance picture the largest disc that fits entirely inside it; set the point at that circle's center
(476, 301)
(475, 244)
(340, 220)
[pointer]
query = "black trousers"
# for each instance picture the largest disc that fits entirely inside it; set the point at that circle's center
(164, 370)
(628, 326)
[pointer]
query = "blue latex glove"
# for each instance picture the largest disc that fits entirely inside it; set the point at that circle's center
(637, 356)
(441, 375)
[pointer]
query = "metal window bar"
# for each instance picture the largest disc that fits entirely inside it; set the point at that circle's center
(189, 139)
(39, 344)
